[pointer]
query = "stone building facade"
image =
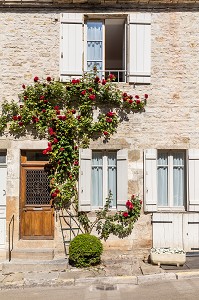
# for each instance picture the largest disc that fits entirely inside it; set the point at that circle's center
(30, 46)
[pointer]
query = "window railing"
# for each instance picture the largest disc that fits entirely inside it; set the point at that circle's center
(120, 75)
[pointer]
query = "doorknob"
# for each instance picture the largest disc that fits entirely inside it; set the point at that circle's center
(4, 192)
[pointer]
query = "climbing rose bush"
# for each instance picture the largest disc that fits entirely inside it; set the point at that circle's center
(69, 115)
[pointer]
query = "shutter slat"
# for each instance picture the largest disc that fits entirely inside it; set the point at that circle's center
(122, 179)
(139, 48)
(150, 180)
(71, 46)
(85, 180)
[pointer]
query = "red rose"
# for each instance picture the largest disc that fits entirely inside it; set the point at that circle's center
(48, 78)
(20, 123)
(103, 81)
(124, 95)
(146, 96)
(137, 97)
(19, 118)
(55, 140)
(128, 203)
(43, 110)
(90, 90)
(74, 81)
(58, 112)
(45, 101)
(35, 119)
(83, 92)
(36, 78)
(53, 195)
(105, 132)
(97, 79)
(138, 101)
(130, 101)
(132, 197)
(49, 144)
(63, 118)
(23, 86)
(141, 202)
(92, 97)
(111, 77)
(25, 97)
(61, 149)
(56, 107)
(76, 147)
(76, 163)
(125, 214)
(51, 131)
(125, 99)
(110, 114)
(73, 111)
(109, 120)
(78, 117)
(15, 118)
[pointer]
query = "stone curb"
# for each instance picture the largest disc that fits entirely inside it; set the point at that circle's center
(104, 283)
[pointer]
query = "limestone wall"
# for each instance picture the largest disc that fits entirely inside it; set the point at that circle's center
(30, 46)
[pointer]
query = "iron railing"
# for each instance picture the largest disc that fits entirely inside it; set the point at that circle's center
(10, 237)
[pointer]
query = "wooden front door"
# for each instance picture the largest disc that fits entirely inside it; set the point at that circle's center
(36, 211)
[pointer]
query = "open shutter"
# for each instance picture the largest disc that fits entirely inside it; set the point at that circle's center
(3, 177)
(85, 180)
(150, 180)
(193, 180)
(122, 178)
(139, 56)
(71, 61)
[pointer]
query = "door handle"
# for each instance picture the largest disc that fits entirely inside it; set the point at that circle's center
(4, 192)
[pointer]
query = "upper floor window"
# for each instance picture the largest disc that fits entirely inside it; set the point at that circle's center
(118, 44)
(106, 47)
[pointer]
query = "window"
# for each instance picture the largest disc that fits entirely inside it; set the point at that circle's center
(171, 178)
(104, 172)
(101, 172)
(114, 43)
(106, 47)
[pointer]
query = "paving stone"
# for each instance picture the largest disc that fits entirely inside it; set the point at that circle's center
(150, 269)
(184, 275)
(40, 277)
(156, 277)
(16, 278)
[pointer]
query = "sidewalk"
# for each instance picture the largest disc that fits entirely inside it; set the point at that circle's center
(120, 270)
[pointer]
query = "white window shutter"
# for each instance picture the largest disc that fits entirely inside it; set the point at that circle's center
(139, 56)
(122, 179)
(193, 180)
(150, 180)
(3, 176)
(71, 56)
(85, 180)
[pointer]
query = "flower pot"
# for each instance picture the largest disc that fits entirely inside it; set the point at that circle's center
(177, 259)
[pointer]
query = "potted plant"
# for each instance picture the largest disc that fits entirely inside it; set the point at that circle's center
(168, 256)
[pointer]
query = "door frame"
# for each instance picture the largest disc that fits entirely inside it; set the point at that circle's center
(24, 165)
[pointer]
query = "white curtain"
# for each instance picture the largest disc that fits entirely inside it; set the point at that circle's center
(94, 45)
(112, 171)
(162, 179)
(178, 179)
(97, 179)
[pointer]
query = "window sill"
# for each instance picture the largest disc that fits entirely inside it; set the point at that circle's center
(171, 209)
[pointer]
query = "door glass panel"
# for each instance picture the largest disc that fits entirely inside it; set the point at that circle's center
(2, 157)
(36, 156)
(37, 187)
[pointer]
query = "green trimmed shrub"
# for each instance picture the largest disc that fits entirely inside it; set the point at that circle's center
(85, 250)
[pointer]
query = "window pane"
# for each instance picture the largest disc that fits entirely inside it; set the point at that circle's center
(97, 179)
(178, 179)
(162, 179)
(94, 45)
(36, 156)
(112, 171)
